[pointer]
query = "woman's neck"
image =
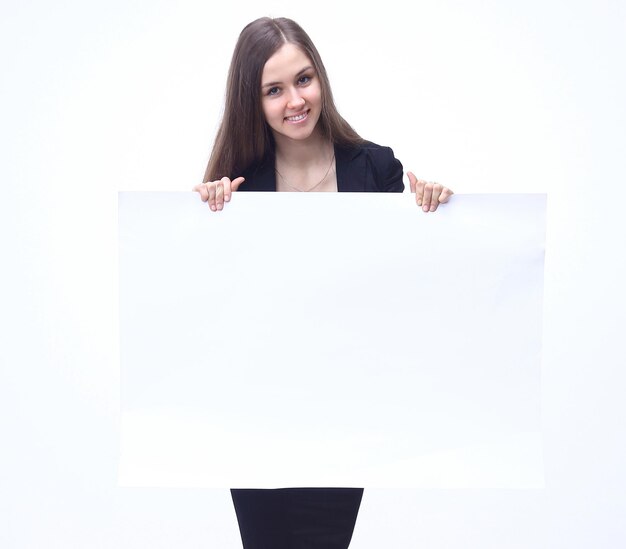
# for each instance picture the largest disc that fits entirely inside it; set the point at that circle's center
(292, 153)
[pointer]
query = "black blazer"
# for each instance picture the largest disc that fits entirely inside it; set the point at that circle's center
(364, 168)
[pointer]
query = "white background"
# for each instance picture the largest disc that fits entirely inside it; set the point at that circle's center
(97, 97)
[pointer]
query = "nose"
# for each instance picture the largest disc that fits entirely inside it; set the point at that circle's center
(296, 101)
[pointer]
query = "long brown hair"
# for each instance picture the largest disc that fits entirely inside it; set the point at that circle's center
(244, 137)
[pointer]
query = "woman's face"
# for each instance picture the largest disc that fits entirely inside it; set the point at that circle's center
(291, 94)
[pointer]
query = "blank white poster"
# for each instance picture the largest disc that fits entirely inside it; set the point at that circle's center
(331, 340)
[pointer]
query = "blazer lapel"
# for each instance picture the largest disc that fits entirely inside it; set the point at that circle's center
(263, 178)
(351, 169)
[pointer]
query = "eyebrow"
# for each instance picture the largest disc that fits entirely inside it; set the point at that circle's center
(272, 84)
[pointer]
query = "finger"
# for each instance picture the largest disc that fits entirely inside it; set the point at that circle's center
(412, 181)
(234, 184)
(219, 193)
(428, 193)
(419, 190)
(231, 186)
(434, 201)
(211, 189)
(227, 188)
(201, 188)
(445, 195)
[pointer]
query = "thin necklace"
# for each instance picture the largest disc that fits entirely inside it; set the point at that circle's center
(314, 186)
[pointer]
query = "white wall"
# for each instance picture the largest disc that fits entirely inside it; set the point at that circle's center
(484, 96)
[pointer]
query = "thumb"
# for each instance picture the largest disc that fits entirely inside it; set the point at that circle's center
(412, 181)
(234, 185)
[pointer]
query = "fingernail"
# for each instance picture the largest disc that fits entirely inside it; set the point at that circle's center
(213, 208)
(227, 199)
(419, 202)
(425, 208)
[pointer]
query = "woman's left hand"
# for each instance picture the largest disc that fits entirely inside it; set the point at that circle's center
(428, 194)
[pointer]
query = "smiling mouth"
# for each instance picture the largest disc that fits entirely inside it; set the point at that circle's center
(297, 117)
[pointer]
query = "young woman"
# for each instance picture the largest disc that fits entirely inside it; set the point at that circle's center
(281, 132)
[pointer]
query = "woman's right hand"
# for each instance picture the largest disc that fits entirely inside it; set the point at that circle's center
(218, 192)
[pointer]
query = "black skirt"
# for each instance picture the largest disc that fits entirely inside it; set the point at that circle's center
(297, 518)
